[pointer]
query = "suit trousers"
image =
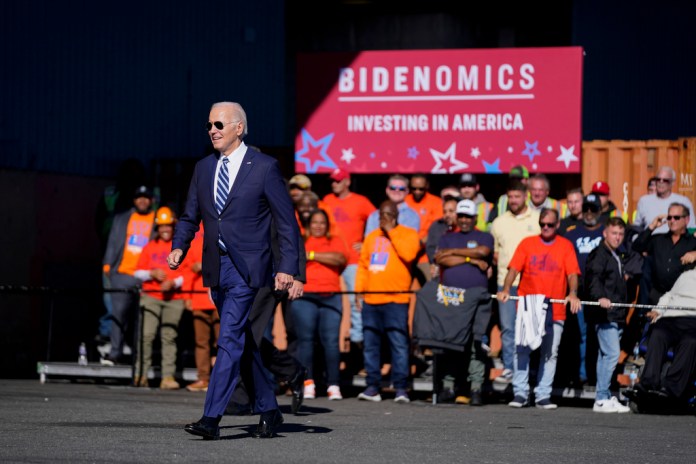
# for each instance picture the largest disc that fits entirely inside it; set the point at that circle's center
(280, 363)
(237, 351)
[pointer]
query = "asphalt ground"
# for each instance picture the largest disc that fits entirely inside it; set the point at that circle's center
(60, 421)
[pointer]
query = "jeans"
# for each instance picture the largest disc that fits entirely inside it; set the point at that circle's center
(547, 362)
(356, 324)
(315, 313)
(392, 319)
(506, 314)
(608, 336)
(582, 327)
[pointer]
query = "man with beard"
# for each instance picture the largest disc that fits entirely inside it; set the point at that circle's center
(508, 230)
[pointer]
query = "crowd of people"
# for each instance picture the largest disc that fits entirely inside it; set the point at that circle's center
(540, 270)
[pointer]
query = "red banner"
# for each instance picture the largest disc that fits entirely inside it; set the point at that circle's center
(440, 111)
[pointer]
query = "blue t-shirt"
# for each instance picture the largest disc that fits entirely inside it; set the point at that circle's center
(466, 275)
(584, 241)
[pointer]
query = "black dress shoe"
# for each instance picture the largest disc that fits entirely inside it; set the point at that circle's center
(269, 422)
(297, 387)
(208, 432)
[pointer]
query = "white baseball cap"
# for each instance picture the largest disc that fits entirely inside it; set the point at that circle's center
(467, 207)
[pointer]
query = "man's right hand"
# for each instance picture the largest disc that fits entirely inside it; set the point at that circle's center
(174, 258)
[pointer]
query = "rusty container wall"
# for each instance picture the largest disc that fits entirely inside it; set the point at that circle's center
(627, 165)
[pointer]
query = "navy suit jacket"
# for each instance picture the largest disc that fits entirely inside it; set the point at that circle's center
(257, 196)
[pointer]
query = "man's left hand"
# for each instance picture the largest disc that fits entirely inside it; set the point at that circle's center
(296, 290)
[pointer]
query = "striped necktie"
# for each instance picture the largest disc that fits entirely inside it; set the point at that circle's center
(221, 192)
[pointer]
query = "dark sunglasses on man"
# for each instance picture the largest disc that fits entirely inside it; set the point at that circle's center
(218, 125)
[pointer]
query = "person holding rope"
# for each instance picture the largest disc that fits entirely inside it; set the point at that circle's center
(605, 282)
(547, 266)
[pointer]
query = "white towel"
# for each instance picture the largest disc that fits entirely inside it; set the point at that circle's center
(530, 323)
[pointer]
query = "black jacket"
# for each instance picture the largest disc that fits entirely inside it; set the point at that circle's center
(604, 279)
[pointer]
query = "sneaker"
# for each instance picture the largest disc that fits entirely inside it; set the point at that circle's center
(334, 392)
(610, 405)
(310, 391)
(104, 349)
(518, 402)
(370, 394)
(505, 377)
(198, 386)
(140, 381)
(108, 361)
(401, 397)
(168, 383)
(462, 399)
(546, 404)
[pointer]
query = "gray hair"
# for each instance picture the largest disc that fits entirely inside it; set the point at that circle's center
(672, 174)
(238, 113)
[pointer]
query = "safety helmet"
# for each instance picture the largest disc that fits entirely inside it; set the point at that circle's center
(164, 216)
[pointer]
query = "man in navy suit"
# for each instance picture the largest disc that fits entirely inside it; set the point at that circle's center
(237, 207)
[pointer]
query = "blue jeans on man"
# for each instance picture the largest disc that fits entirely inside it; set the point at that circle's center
(609, 338)
(356, 325)
(390, 319)
(506, 314)
(548, 356)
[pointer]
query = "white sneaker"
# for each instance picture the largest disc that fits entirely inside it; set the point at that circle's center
(309, 390)
(505, 377)
(334, 392)
(610, 405)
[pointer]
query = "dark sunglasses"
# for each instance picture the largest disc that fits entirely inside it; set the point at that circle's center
(662, 179)
(462, 215)
(675, 218)
(418, 189)
(396, 188)
(218, 125)
(590, 209)
(545, 225)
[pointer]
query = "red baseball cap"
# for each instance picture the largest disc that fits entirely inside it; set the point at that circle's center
(338, 175)
(600, 188)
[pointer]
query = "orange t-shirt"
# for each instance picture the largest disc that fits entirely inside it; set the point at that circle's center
(321, 277)
(545, 268)
(430, 210)
(385, 265)
(350, 214)
(137, 235)
(194, 280)
(154, 256)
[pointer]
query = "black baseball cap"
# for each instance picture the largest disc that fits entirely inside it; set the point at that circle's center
(467, 179)
(142, 191)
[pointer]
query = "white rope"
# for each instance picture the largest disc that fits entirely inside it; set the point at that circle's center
(616, 305)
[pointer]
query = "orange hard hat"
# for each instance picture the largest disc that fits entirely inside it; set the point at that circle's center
(164, 216)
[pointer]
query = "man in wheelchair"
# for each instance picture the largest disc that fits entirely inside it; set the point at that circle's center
(667, 382)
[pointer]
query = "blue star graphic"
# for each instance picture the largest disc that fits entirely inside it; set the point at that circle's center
(531, 150)
(323, 143)
(412, 153)
(372, 155)
(492, 168)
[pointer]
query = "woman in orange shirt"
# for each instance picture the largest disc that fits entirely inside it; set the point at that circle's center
(318, 311)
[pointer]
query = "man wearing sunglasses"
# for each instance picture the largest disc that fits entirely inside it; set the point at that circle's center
(547, 266)
(397, 189)
(670, 252)
(237, 192)
(652, 205)
(585, 237)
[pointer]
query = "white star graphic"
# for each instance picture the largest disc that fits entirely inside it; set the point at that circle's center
(567, 156)
(475, 152)
(449, 155)
(347, 155)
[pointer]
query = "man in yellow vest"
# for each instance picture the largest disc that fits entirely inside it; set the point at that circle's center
(469, 190)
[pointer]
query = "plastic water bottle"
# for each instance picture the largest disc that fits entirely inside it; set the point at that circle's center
(632, 375)
(636, 352)
(82, 355)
